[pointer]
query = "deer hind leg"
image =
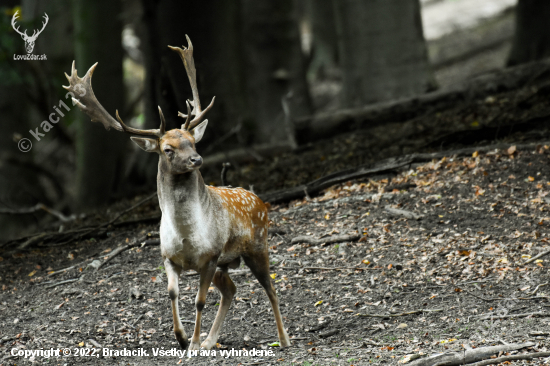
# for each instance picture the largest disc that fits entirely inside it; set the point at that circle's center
(172, 273)
(227, 289)
(206, 275)
(259, 265)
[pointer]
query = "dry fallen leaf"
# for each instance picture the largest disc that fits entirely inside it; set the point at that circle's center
(511, 150)
(273, 275)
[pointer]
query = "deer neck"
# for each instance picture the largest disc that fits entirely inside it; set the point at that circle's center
(181, 194)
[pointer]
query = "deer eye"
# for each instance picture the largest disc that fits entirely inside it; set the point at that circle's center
(168, 151)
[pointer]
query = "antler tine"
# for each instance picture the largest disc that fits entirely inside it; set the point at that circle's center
(185, 126)
(46, 18)
(15, 16)
(186, 54)
(84, 97)
(162, 128)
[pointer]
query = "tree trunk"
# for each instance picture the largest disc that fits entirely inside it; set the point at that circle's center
(324, 38)
(532, 38)
(383, 51)
(275, 66)
(99, 153)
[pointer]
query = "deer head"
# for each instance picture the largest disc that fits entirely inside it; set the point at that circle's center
(176, 147)
(29, 40)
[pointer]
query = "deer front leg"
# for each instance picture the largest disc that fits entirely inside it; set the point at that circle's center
(227, 289)
(172, 273)
(206, 273)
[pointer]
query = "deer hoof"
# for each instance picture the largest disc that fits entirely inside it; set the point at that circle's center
(182, 340)
(194, 346)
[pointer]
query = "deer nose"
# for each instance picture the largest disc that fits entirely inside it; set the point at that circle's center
(196, 160)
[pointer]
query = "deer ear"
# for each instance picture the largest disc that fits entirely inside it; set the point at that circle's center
(198, 131)
(149, 145)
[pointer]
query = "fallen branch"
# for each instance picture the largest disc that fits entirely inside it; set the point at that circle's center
(116, 252)
(94, 343)
(329, 333)
(62, 282)
(385, 167)
(509, 316)
(526, 356)
(540, 255)
(537, 288)
(326, 240)
(401, 314)
(110, 222)
(332, 268)
(502, 298)
(75, 234)
(467, 356)
(325, 125)
(406, 214)
(35, 208)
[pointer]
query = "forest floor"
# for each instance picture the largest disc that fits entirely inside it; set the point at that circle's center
(451, 278)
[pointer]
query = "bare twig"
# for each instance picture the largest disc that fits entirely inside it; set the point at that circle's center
(509, 316)
(540, 255)
(62, 282)
(94, 343)
(404, 213)
(401, 314)
(468, 356)
(326, 240)
(35, 208)
(225, 167)
(332, 268)
(116, 252)
(526, 356)
(537, 288)
(110, 222)
(502, 298)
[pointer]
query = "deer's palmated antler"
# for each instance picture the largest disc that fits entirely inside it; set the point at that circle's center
(186, 54)
(84, 97)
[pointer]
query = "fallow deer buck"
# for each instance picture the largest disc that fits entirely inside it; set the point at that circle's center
(202, 227)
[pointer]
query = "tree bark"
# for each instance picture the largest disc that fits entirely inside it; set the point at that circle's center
(99, 153)
(383, 51)
(532, 38)
(275, 67)
(324, 38)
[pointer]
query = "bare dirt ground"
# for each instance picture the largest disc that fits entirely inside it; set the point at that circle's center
(459, 270)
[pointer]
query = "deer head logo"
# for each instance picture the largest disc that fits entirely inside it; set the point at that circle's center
(29, 40)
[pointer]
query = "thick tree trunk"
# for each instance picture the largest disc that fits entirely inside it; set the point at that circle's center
(324, 37)
(100, 153)
(532, 37)
(383, 51)
(275, 66)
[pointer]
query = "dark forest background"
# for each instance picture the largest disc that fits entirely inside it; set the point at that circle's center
(286, 74)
